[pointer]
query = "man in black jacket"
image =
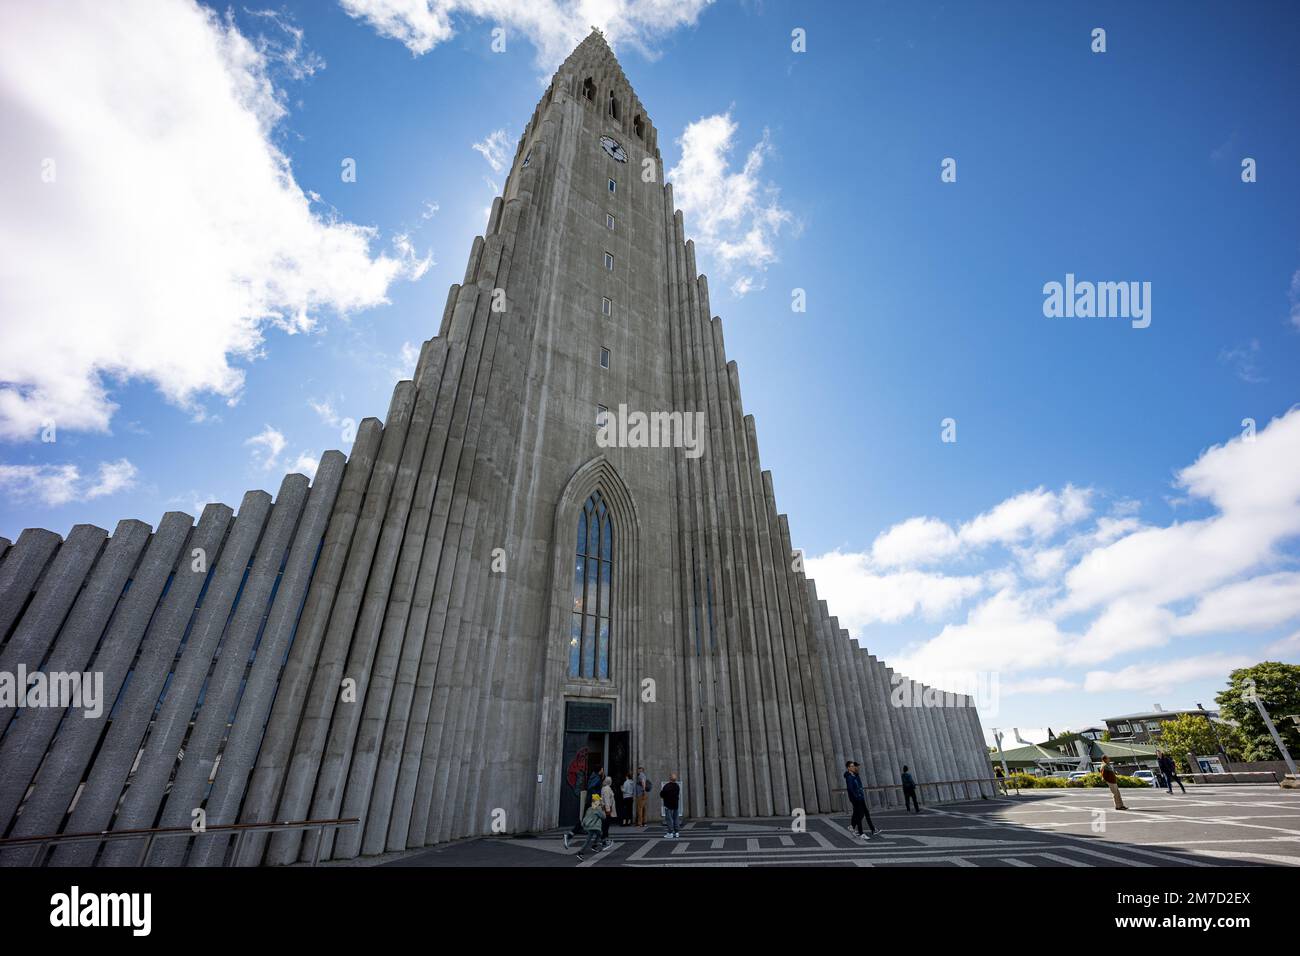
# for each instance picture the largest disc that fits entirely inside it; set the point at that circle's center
(669, 794)
(1170, 771)
(858, 797)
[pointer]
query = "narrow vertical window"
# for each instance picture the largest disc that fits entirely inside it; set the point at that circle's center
(609, 220)
(601, 412)
(589, 626)
(613, 186)
(606, 307)
(609, 262)
(604, 358)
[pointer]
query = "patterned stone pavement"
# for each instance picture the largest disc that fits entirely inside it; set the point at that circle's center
(1208, 827)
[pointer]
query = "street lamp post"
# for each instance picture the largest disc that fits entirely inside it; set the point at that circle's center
(1217, 739)
(1277, 738)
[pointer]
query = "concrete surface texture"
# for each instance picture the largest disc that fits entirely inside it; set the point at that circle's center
(399, 650)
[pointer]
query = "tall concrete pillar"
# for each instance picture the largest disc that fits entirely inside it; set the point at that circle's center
(139, 807)
(120, 746)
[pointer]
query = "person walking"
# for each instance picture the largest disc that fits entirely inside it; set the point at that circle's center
(1170, 771)
(592, 821)
(1112, 781)
(858, 797)
(626, 804)
(669, 794)
(607, 802)
(642, 796)
(909, 791)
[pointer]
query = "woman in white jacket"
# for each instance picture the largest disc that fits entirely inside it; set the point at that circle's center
(608, 802)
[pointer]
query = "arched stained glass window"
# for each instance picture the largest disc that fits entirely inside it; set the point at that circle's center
(589, 630)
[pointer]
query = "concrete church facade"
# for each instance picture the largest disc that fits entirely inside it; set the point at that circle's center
(488, 593)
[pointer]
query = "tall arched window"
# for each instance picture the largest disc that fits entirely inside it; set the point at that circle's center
(589, 623)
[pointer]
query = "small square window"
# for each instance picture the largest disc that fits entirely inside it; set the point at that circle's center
(609, 262)
(604, 358)
(606, 307)
(613, 186)
(601, 412)
(609, 220)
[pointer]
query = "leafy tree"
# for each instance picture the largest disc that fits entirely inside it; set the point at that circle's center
(1105, 735)
(1192, 732)
(1278, 686)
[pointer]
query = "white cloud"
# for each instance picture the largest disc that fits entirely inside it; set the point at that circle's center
(863, 597)
(1033, 514)
(1255, 485)
(1073, 589)
(1122, 627)
(407, 358)
(1039, 685)
(325, 411)
(1287, 649)
(1253, 604)
(55, 485)
(554, 27)
(734, 213)
(1006, 633)
(495, 148)
(266, 447)
(913, 542)
(304, 464)
(173, 233)
(1165, 675)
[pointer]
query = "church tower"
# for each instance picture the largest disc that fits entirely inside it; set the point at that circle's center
(558, 552)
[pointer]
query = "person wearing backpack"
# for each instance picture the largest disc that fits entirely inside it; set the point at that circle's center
(592, 821)
(1112, 781)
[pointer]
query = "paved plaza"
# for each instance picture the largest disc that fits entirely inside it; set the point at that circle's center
(1210, 826)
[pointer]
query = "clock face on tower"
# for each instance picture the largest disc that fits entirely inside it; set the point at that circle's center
(611, 146)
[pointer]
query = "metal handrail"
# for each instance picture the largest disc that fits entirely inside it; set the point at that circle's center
(152, 833)
(964, 781)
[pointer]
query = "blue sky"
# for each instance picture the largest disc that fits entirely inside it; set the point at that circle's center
(196, 318)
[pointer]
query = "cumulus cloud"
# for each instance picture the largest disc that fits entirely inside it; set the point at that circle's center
(734, 213)
(1074, 589)
(152, 229)
(305, 464)
(1030, 516)
(864, 596)
(553, 27)
(55, 485)
(1039, 685)
(1159, 676)
(495, 148)
(266, 447)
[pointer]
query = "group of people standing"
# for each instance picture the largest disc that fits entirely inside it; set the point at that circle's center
(627, 804)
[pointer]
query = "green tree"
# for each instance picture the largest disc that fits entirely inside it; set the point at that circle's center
(1192, 732)
(1278, 686)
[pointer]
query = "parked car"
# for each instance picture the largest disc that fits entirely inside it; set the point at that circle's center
(1078, 774)
(1148, 776)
